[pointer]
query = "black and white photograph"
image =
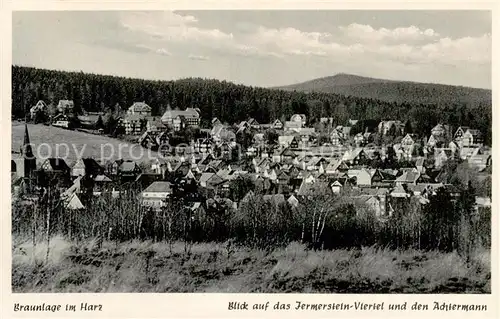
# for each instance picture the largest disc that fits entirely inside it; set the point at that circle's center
(251, 151)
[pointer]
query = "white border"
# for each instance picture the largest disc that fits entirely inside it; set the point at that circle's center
(215, 305)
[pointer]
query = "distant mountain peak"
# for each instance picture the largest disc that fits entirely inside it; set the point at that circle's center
(339, 79)
(389, 90)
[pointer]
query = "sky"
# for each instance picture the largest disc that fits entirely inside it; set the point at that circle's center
(260, 48)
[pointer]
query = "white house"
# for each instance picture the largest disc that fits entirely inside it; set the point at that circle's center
(40, 106)
(139, 108)
(471, 137)
(60, 120)
(65, 106)
(277, 124)
(190, 116)
(155, 194)
(299, 118)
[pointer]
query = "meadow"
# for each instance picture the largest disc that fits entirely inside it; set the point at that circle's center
(118, 246)
(146, 266)
(88, 145)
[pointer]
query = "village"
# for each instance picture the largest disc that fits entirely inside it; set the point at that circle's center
(285, 161)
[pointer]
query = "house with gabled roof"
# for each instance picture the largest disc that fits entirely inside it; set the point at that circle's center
(204, 177)
(434, 141)
(129, 169)
(159, 165)
(292, 126)
(86, 166)
(362, 176)
(261, 165)
(400, 191)
(440, 134)
(156, 194)
(282, 177)
(454, 147)
(354, 156)
(154, 125)
(285, 140)
(73, 202)
(214, 181)
(74, 188)
(359, 139)
(293, 201)
(408, 177)
(221, 133)
(420, 165)
(139, 108)
(101, 183)
(56, 169)
(215, 121)
(337, 138)
(242, 127)
(336, 166)
(60, 120)
(132, 124)
(143, 180)
(460, 132)
(441, 130)
(179, 123)
(113, 167)
(441, 155)
(190, 116)
(39, 107)
(315, 163)
(408, 143)
(148, 140)
(287, 155)
(215, 164)
(306, 177)
(471, 138)
(253, 123)
(339, 183)
(163, 140)
(205, 159)
(299, 118)
(65, 106)
(385, 126)
(277, 124)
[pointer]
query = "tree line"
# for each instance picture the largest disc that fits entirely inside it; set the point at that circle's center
(325, 221)
(230, 102)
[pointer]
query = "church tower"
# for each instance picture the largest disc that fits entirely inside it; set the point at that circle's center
(29, 161)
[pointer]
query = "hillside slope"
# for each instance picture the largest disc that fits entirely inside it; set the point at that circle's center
(392, 91)
(72, 144)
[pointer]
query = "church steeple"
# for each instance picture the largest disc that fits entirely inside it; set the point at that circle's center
(29, 159)
(27, 150)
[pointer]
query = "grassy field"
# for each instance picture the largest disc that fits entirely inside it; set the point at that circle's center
(142, 266)
(79, 142)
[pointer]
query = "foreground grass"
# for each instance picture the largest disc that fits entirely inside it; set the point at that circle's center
(142, 266)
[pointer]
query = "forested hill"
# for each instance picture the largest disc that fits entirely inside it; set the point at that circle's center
(393, 91)
(229, 102)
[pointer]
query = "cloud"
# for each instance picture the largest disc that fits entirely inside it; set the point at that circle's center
(467, 49)
(198, 57)
(406, 44)
(162, 51)
(125, 46)
(367, 33)
(290, 41)
(170, 26)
